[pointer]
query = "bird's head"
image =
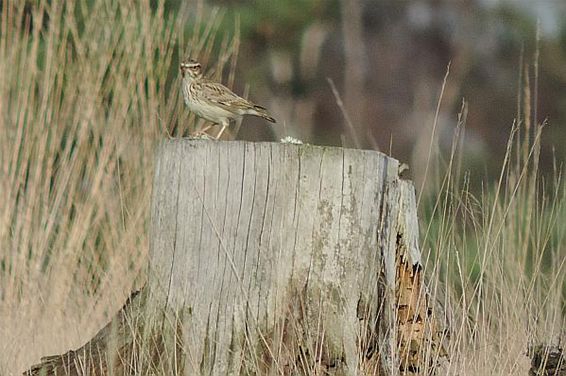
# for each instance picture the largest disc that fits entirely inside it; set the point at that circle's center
(191, 68)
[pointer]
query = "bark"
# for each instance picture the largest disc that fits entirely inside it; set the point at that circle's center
(132, 342)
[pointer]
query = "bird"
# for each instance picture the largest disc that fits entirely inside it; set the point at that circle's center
(213, 101)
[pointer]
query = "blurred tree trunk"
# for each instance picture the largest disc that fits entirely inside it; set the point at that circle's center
(356, 70)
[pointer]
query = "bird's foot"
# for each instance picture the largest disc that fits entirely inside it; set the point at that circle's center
(200, 136)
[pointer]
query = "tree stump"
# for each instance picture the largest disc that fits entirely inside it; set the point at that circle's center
(281, 256)
(280, 259)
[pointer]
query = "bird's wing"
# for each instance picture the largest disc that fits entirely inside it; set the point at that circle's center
(220, 95)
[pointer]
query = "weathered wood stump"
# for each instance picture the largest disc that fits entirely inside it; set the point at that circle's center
(281, 251)
(279, 259)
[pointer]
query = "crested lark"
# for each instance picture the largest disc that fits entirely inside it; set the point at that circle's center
(214, 101)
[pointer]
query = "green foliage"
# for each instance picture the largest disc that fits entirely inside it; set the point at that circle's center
(279, 23)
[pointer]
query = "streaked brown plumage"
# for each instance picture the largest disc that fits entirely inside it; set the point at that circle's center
(214, 101)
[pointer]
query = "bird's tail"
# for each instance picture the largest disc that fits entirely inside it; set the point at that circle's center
(261, 112)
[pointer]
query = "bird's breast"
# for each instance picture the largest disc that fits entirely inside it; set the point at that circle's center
(206, 109)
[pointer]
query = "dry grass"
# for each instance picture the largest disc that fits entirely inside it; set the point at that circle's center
(498, 260)
(87, 91)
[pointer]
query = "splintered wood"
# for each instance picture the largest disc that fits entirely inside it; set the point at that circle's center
(419, 335)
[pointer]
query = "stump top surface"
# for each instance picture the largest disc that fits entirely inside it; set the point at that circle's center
(326, 148)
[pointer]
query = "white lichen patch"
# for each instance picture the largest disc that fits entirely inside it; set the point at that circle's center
(291, 140)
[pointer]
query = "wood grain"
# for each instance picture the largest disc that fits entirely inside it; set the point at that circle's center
(250, 236)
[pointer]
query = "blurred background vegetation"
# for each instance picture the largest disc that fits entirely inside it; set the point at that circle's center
(388, 60)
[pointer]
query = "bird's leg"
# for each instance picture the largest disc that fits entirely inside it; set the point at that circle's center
(225, 123)
(202, 132)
